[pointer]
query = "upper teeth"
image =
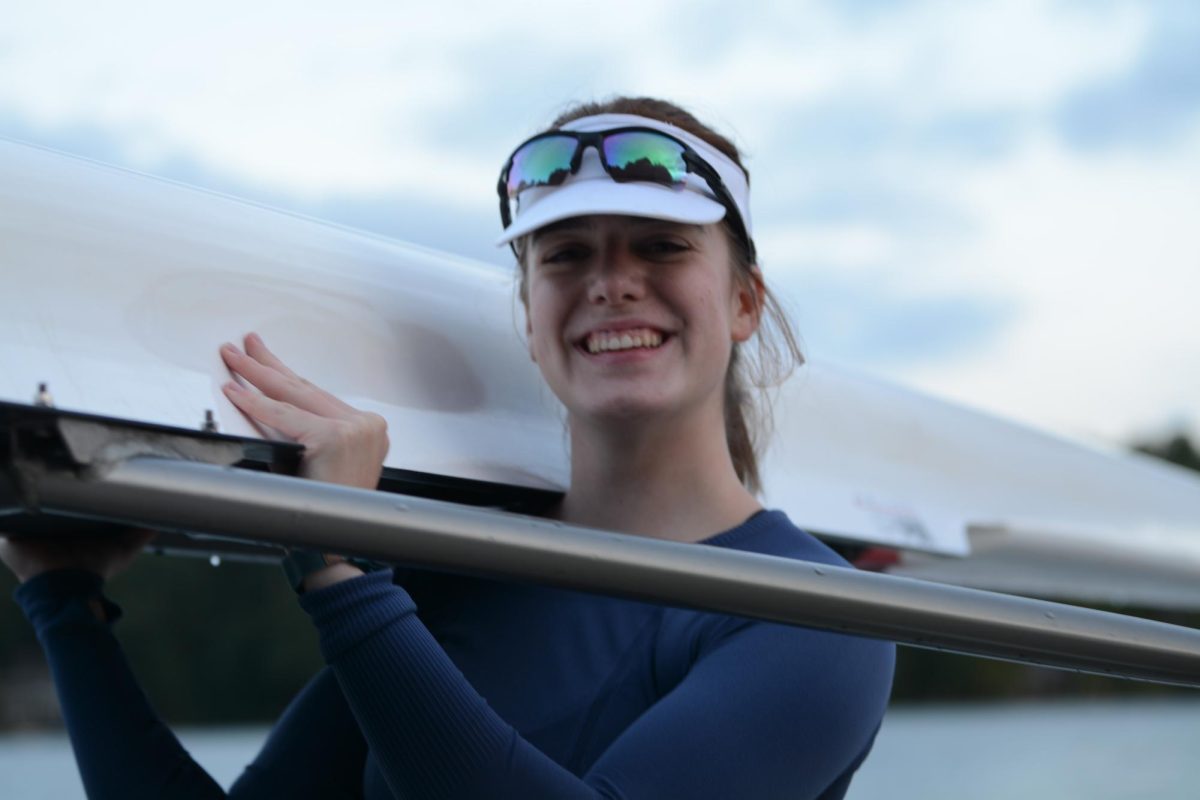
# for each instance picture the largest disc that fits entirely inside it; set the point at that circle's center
(602, 341)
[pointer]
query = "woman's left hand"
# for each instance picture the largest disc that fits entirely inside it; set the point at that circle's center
(341, 444)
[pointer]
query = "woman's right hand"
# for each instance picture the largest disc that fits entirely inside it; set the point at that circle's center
(341, 444)
(104, 554)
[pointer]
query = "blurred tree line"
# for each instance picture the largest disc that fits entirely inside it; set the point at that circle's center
(230, 644)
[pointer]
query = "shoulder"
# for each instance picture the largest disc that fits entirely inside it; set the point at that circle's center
(806, 701)
(814, 656)
(770, 532)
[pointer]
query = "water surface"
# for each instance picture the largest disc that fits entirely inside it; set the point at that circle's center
(1056, 751)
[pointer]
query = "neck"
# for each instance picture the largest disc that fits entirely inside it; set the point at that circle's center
(668, 481)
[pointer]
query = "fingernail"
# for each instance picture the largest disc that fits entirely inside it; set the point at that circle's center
(232, 387)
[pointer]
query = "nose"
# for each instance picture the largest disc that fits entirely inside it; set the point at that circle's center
(618, 276)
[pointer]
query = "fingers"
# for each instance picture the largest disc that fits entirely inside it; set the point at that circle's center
(348, 451)
(284, 417)
(257, 349)
(273, 378)
(105, 554)
(342, 444)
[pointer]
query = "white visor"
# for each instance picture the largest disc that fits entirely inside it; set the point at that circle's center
(592, 191)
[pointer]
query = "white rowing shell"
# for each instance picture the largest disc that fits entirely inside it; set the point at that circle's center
(118, 287)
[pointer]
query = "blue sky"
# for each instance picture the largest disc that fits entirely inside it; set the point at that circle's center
(992, 201)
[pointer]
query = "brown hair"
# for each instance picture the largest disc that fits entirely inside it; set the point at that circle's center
(776, 352)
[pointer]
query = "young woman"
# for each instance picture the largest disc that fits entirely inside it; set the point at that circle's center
(640, 283)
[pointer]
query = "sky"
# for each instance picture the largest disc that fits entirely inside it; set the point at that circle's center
(995, 202)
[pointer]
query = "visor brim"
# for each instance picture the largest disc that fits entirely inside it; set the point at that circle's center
(579, 198)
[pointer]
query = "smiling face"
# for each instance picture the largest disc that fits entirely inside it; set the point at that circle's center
(630, 317)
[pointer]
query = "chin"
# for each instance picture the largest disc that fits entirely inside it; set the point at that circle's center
(626, 408)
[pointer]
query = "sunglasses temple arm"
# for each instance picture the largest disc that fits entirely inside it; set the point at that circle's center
(710, 175)
(505, 210)
(502, 190)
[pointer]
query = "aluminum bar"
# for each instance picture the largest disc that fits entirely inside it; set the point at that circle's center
(254, 506)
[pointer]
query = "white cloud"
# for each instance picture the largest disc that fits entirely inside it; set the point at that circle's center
(847, 246)
(1106, 258)
(336, 97)
(305, 100)
(1017, 53)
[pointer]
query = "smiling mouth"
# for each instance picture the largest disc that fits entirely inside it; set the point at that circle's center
(632, 339)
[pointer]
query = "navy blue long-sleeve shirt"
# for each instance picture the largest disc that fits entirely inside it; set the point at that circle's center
(463, 687)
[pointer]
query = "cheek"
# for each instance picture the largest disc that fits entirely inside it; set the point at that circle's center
(531, 332)
(540, 321)
(711, 304)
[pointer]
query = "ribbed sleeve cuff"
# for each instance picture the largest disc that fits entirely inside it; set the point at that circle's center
(65, 597)
(350, 612)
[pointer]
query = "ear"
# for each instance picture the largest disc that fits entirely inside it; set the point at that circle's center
(749, 296)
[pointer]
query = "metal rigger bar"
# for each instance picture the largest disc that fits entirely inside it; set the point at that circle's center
(240, 504)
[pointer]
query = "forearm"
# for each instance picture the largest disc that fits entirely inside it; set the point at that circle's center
(121, 746)
(432, 733)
